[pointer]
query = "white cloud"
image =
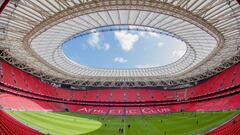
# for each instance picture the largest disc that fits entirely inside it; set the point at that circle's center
(154, 34)
(142, 34)
(178, 53)
(150, 34)
(93, 40)
(126, 40)
(120, 60)
(106, 46)
(146, 66)
(160, 44)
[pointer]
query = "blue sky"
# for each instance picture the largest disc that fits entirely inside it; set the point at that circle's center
(124, 49)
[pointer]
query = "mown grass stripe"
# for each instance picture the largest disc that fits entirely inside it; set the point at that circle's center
(54, 126)
(85, 123)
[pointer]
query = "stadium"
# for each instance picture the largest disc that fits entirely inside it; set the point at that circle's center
(112, 67)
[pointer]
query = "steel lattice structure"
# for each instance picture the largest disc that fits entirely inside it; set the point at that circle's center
(32, 33)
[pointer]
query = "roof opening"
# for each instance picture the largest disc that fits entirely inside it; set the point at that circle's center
(124, 47)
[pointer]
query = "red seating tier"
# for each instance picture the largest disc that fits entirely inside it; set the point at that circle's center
(7, 127)
(230, 128)
(9, 101)
(18, 79)
(116, 111)
(133, 111)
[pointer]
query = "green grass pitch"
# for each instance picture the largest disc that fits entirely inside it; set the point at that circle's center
(75, 124)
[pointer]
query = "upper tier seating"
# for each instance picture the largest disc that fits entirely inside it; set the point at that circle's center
(16, 78)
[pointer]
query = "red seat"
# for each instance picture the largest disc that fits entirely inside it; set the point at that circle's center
(7, 127)
(230, 128)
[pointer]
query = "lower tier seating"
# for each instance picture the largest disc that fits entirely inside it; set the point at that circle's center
(14, 102)
(7, 128)
(230, 128)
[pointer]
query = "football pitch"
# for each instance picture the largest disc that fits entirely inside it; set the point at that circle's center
(67, 123)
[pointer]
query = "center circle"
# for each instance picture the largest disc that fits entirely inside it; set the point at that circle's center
(124, 47)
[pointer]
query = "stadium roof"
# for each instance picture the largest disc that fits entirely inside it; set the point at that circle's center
(33, 32)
